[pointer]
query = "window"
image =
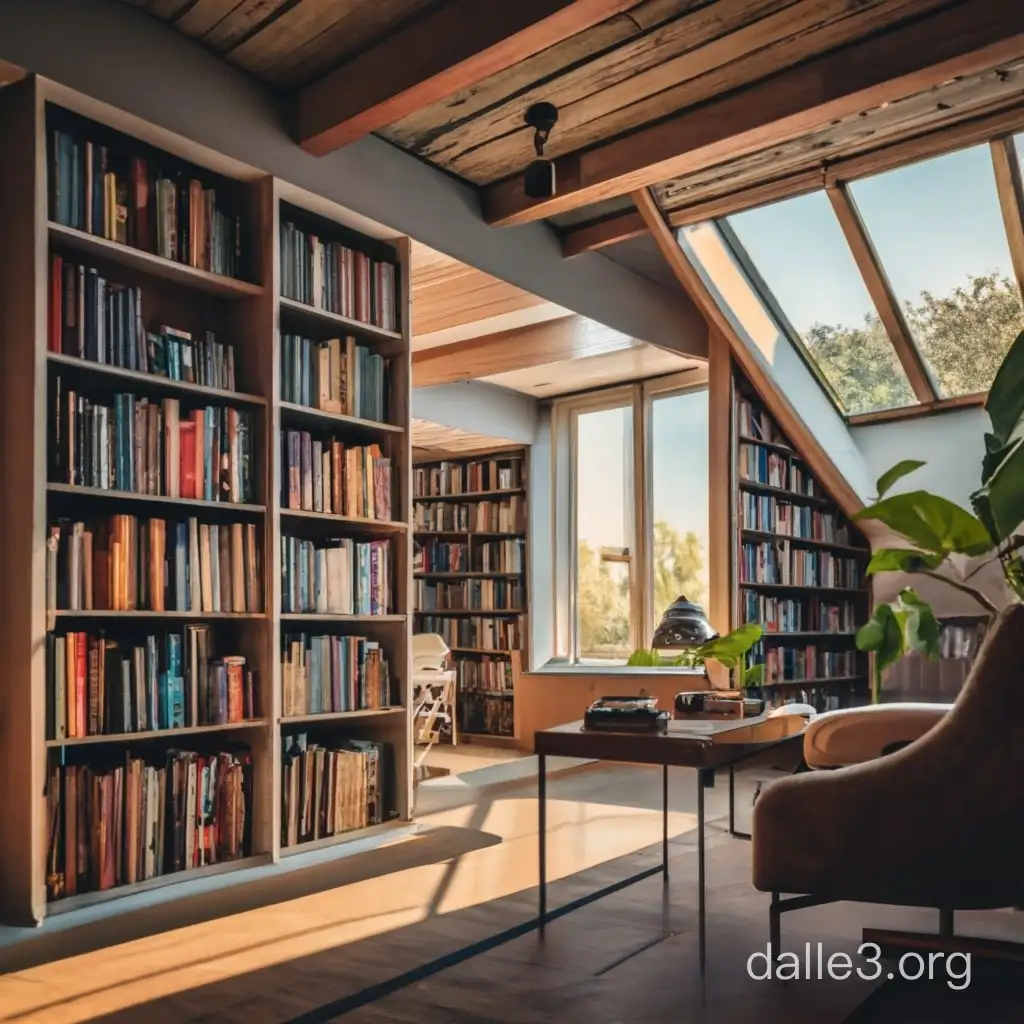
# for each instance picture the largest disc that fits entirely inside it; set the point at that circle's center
(605, 532)
(637, 519)
(938, 231)
(797, 249)
(679, 499)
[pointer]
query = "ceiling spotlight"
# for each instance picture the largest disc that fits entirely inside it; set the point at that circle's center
(539, 178)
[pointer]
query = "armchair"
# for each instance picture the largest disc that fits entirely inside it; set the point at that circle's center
(939, 823)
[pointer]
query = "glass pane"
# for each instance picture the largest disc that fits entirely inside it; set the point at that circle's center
(604, 532)
(939, 234)
(798, 249)
(679, 506)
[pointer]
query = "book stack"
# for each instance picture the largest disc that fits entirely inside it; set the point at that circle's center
(474, 632)
(95, 319)
(99, 686)
(336, 577)
(123, 563)
(151, 447)
(484, 595)
(147, 816)
(331, 276)
(128, 198)
(330, 674)
(336, 376)
(325, 476)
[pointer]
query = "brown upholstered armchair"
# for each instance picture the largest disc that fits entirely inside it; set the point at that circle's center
(939, 823)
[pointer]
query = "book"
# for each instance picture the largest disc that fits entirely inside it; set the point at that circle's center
(336, 376)
(476, 632)
(473, 594)
(479, 475)
(336, 576)
(505, 516)
(325, 674)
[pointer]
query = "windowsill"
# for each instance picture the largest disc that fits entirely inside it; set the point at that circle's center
(596, 668)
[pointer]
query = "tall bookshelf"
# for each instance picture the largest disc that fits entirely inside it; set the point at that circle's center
(230, 722)
(470, 577)
(798, 567)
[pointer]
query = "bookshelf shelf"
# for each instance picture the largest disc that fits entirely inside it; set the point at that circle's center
(152, 382)
(150, 263)
(234, 223)
(293, 413)
(336, 320)
(468, 533)
(158, 734)
(470, 495)
(340, 716)
(76, 491)
(466, 575)
(342, 838)
(470, 611)
(809, 628)
(479, 650)
(352, 522)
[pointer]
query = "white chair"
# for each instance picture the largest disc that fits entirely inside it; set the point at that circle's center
(433, 692)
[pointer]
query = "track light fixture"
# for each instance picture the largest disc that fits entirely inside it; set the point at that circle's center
(539, 178)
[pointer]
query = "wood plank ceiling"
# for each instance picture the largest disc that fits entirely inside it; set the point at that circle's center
(646, 63)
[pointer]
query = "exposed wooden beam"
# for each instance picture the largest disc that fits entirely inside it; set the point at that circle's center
(885, 302)
(778, 405)
(720, 526)
(602, 233)
(571, 337)
(451, 47)
(1011, 201)
(967, 38)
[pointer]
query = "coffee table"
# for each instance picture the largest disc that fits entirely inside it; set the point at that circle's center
(704, 745)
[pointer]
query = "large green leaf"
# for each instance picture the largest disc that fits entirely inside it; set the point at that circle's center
(1000, 501)
(921, 629)
(1005, 402)
(753, 675)
(730, 648)
(904, 560)
(930, 522)
(890, 476)
(882, 635)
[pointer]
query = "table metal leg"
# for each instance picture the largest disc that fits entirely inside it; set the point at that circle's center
(664, 820)
(542, 826)
(700, 868)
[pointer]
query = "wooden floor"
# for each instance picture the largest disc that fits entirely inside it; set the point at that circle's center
(290, 949)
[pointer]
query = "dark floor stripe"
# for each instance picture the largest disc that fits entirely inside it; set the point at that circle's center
(634, 952)
(331, 1011)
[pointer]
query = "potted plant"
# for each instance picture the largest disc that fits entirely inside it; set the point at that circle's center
(727, 650)
(943, 539)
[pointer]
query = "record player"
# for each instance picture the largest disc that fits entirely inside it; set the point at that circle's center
(626, 714)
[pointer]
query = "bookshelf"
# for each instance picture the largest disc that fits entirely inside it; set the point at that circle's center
(798, 567)
(470, 577)
(195, 462)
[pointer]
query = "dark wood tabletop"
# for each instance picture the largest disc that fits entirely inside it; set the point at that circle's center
(687, 743)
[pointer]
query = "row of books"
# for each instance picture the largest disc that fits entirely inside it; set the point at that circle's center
(484, 595)
(330, 789)
(829, 697)
(506, 516)
(101, 321)
(455, 478)
(776, 562)
(505, 556)
(329, 275)
(755, 422)
(798, 615)
(782, 663)
(151, 447)
(120, 196)
(438, 556)
(485, 674)
(100, 686)
(476, 632)
(769, 515)
(336, 376)
(324, 674)
(149, 815)
(123, 563)
(764, 466)
(325, 476)
(338, 576)
(483, 714)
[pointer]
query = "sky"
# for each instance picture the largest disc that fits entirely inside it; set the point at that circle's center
(932, 224)
(679, 438)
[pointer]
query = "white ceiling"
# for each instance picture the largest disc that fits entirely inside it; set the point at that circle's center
(635, 363)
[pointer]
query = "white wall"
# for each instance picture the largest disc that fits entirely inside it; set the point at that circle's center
(118, 54)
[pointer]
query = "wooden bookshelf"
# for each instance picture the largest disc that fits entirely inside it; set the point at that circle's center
(798, 566)
(248, 312)
(441, 487)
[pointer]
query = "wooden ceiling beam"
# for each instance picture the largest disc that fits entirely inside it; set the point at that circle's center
(1011, 201)
(964, 39)
(882, 296)
(571, 337)
(778, 405)
(450, 48)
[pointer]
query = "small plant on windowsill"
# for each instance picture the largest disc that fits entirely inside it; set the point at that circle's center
(728, 651)
(942, 537)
